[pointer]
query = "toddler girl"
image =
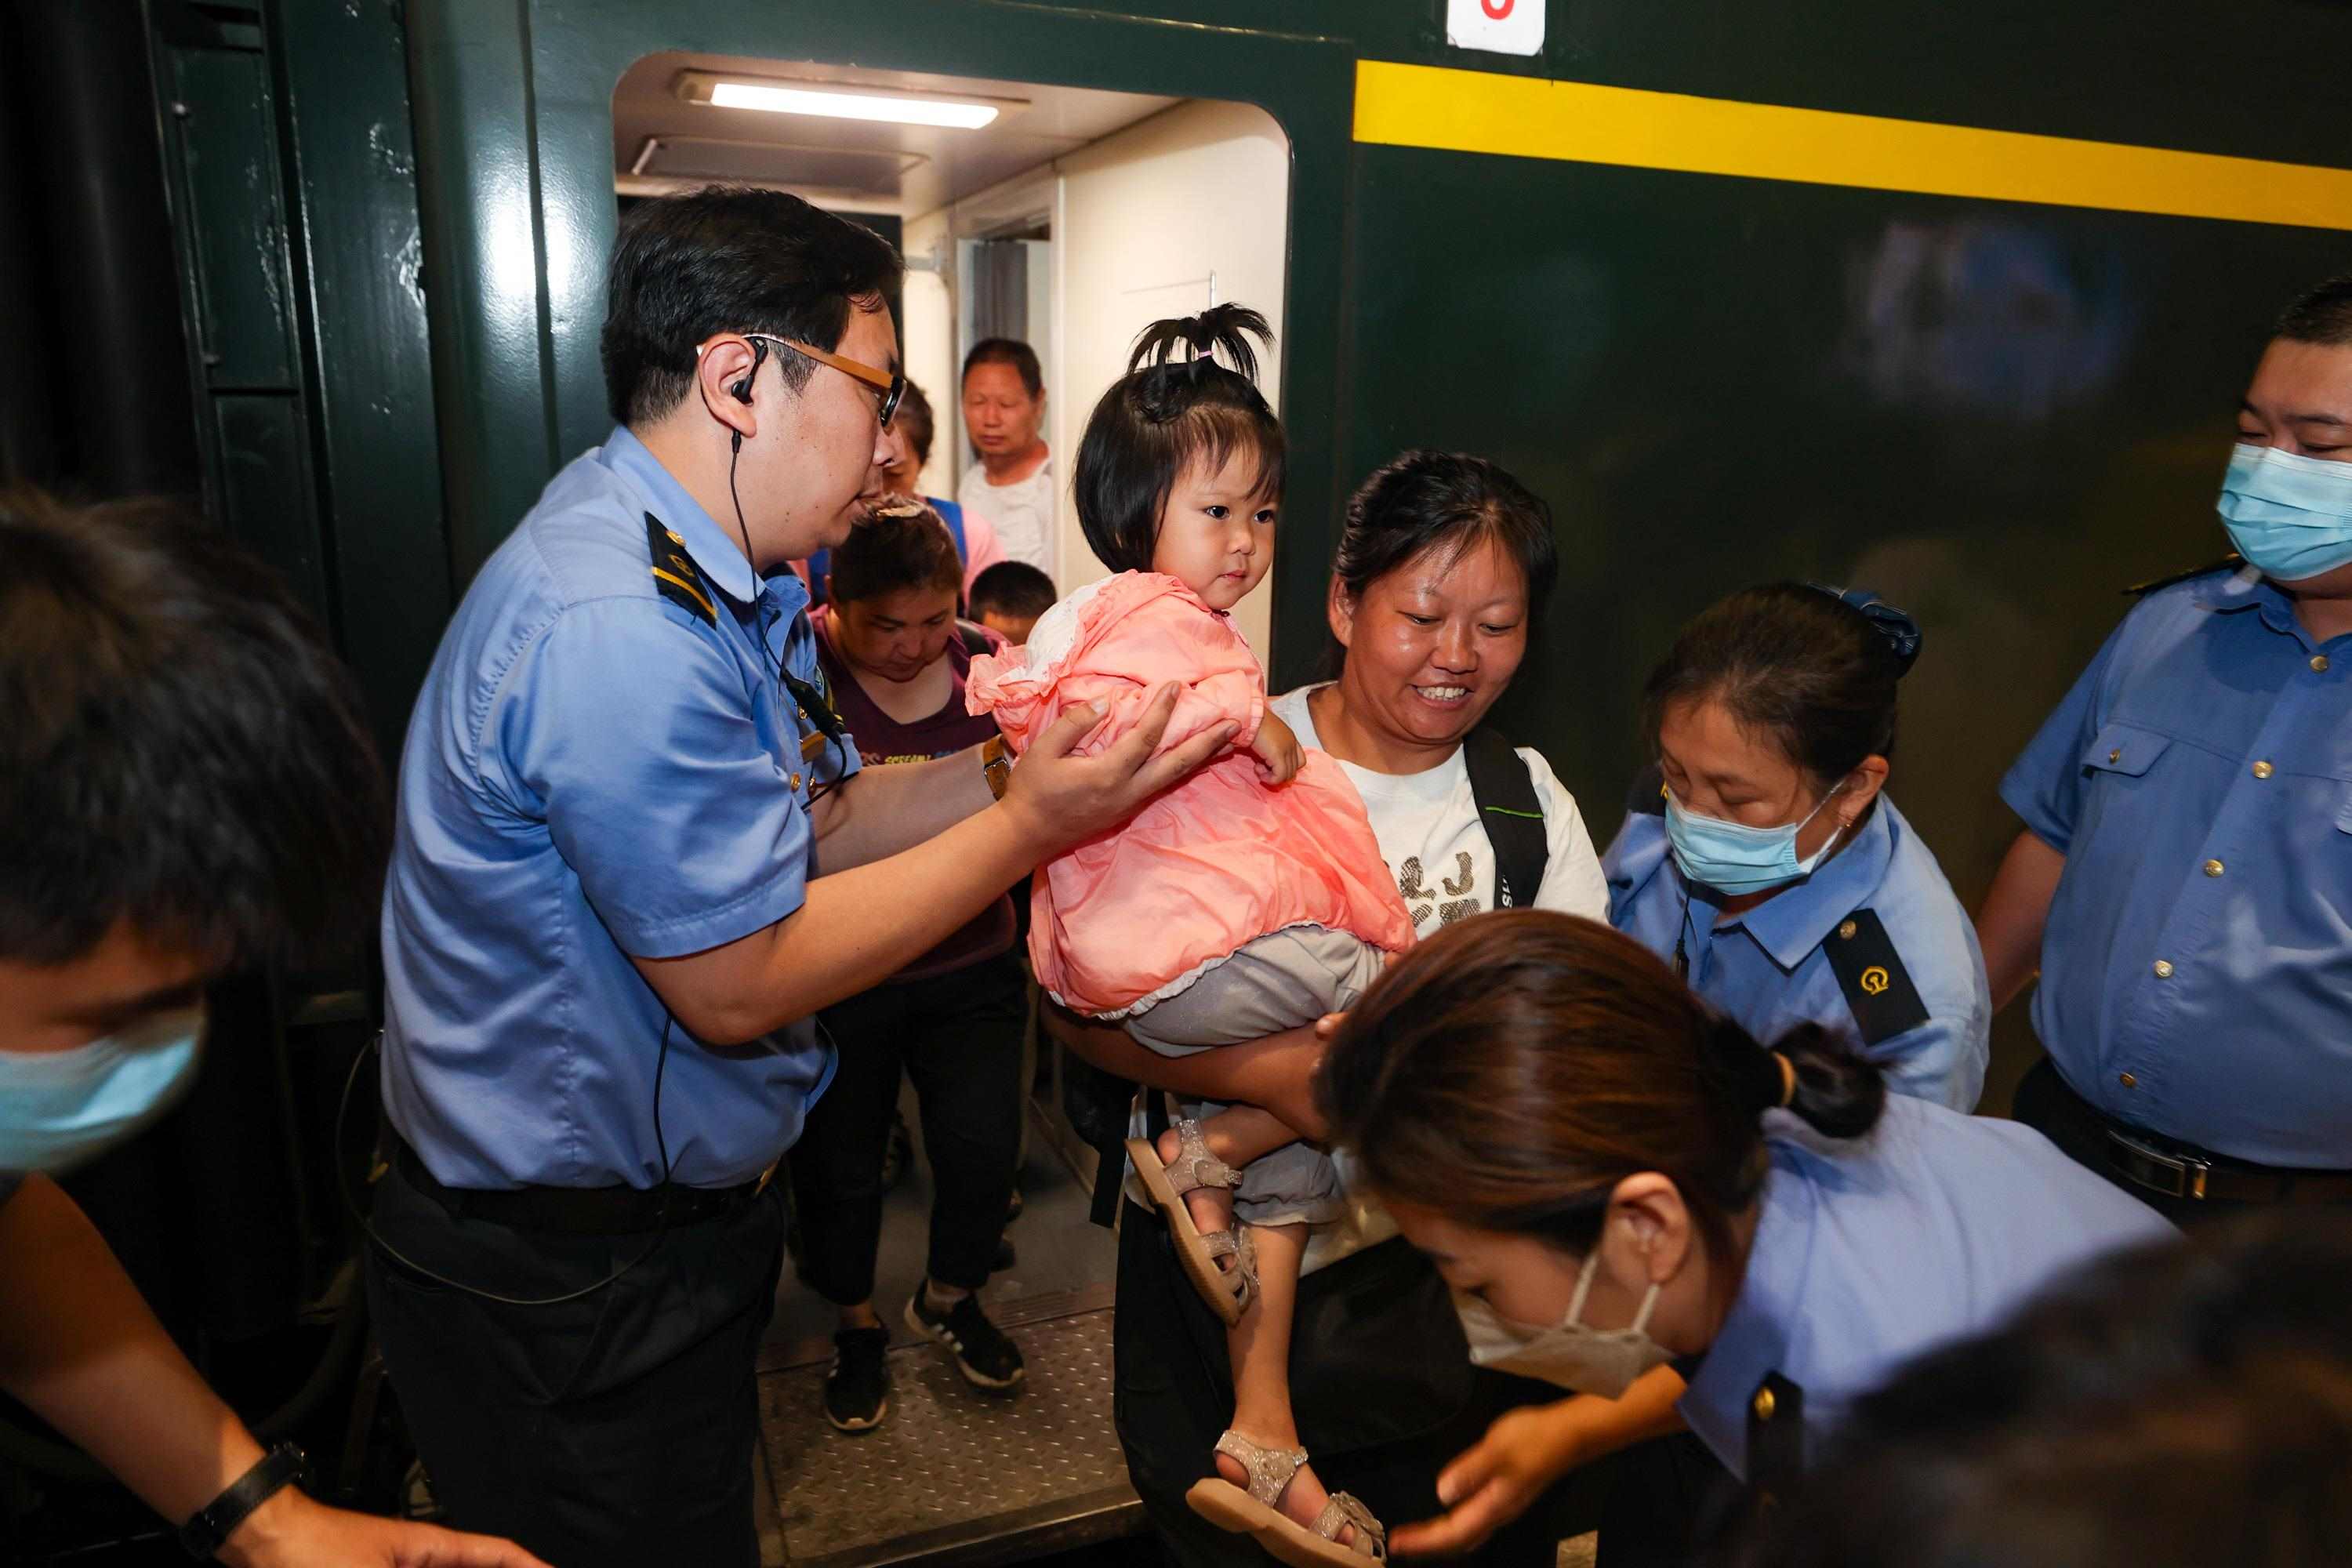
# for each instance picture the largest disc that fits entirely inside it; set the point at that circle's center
(1248, 900)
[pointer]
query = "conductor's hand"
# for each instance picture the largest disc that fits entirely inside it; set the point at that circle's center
(1058, 800)
(1494, 1482)
(293, 1530)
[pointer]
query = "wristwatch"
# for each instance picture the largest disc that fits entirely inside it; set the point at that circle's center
(210, 1530)
(996, 765)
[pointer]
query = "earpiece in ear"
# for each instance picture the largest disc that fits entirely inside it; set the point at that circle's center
(742, 390)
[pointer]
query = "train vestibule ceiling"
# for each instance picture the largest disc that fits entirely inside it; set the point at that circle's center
(668, 135)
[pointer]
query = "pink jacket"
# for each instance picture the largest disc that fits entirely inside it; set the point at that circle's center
(1223, 858)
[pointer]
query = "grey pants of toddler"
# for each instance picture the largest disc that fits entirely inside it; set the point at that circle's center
(1278, 982)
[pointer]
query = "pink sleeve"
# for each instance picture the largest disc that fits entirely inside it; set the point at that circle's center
(1136, 639)
(983, 548)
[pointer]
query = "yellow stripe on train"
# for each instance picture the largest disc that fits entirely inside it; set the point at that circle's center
(1533, 117)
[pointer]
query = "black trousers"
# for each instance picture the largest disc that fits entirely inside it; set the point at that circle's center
(617, 1429)
(958, 1037)
(1354, 1378)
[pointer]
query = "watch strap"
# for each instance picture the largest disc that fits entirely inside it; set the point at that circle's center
(209, 1530)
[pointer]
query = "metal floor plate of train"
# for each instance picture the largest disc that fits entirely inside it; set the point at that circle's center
(956, 1475)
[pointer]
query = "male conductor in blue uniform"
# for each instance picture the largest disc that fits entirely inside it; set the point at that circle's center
(2184, 879)
(634, 855)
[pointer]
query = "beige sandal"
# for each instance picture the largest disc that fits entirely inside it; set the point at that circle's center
(1257, 1512)
(1228, 1292)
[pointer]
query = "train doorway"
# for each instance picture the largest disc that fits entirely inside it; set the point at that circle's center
(1063, 217)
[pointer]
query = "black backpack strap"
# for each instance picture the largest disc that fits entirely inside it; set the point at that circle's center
(1509, 810)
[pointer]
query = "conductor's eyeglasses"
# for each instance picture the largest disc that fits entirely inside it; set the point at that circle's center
(890, 384)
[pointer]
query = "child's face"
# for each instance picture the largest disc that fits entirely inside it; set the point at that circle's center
(1216, 534)
(1013, 629)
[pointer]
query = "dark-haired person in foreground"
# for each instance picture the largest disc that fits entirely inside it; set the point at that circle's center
(186, 788)
(2174, 1407)
(634, 855)
(2184, 879)
(1598, 1165)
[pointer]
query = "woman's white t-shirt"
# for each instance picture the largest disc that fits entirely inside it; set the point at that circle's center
(1428, 829)
(1023, 511)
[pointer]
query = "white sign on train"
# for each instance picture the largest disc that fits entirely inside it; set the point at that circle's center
(1503, 27)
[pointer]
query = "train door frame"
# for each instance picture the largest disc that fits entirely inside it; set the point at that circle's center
(512, 108)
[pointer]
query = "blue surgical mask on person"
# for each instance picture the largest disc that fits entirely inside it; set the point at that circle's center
(60, 1109)
(1734, 857)
(2289, 515)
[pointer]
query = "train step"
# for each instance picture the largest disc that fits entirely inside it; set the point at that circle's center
(956, 1475)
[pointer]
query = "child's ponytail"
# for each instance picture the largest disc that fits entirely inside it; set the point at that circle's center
(1220, 329)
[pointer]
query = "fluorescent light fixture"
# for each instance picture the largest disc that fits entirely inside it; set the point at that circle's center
(884, 104)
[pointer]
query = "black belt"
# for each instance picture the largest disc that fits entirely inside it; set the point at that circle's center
(581, 1211)
(2184, 1171)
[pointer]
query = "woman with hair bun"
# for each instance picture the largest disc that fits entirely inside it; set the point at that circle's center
(1763, 857)
(1612, 1176)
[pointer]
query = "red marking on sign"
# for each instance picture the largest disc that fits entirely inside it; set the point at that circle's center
(1496, 10)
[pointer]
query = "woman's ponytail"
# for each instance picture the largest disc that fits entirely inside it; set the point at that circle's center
(1838, 1091)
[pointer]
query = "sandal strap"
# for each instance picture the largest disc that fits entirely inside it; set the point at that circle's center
(1246, 1271)
(1345, 1509)
(1271, 1470)
(1194, 1167)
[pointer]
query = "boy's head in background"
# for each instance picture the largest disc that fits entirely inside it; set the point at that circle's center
(1008, 598)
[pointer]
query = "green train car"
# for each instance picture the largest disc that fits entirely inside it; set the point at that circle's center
(1951, 301)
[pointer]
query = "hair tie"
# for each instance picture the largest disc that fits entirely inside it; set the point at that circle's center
(1900, 632)
(1788, 1079)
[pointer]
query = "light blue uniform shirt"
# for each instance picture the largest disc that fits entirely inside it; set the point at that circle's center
(1870, 1253)
(2197, 964)
(1770, 968)
(595, 771)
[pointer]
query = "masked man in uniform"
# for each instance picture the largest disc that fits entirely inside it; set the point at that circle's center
(2184, 881)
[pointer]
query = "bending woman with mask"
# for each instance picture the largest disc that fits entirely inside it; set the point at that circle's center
(1591, 1157)
(1764, 860)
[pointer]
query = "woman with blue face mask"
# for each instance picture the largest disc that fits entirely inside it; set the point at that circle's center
(1763, 859)
(1613, 1177)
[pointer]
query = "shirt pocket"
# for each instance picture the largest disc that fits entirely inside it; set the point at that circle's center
(2125, 750)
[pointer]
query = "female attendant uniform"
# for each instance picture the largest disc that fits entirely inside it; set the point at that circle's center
(1872, 946)
(1866, 1255)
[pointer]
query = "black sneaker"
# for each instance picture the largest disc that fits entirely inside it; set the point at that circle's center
(857, 1389)
(985, 1357)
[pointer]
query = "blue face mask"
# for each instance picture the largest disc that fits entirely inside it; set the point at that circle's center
(2290, 516)
(58, 1109)
(1733, 858)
